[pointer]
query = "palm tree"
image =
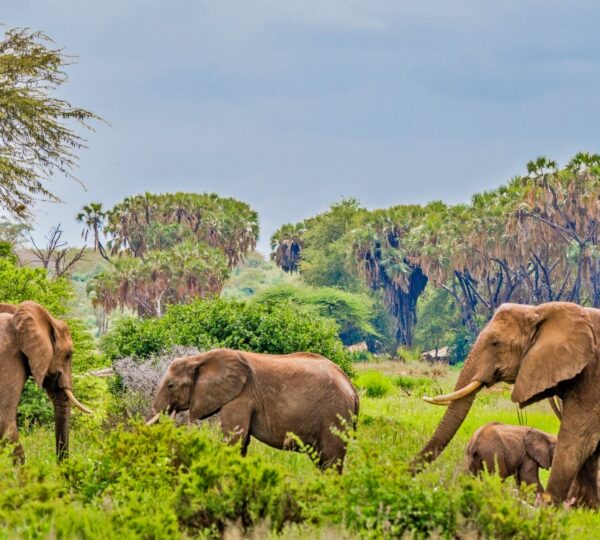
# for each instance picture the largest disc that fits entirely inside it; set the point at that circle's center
(93, 218)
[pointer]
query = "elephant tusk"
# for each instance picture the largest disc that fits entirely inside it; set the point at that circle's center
(173, 413)
(75, 402)
(434, 402)
(555, 407)
(153, 420)
(446, 399)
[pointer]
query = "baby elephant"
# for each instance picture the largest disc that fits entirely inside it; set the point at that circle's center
(265, 396)
(517, 451)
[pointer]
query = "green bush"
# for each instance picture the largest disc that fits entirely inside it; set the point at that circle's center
(375, 383)
(354, 313)
(167, 482)
(205, 324)
(414, 385)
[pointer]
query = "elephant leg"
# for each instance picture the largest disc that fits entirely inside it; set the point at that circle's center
(571, 453)
(10, 434)
(585, 486)
(235, 425)
(528, 473)
(331, 451)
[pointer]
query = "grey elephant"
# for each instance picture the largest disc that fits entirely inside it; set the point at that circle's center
(33, 343)
(265, 396)
(518, 451)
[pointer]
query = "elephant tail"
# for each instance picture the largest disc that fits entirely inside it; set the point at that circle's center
(356, 409)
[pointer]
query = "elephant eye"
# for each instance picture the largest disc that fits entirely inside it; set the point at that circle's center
(495, 343)
(171, 385)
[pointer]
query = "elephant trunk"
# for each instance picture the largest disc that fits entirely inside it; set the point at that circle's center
(62, 418)
(159, 404)
(452, 419)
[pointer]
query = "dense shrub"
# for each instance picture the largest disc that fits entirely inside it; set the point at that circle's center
(205, 324)
(375, 383)
(354, 313)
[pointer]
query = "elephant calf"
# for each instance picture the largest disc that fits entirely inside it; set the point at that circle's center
(517, 451)
(264, 396)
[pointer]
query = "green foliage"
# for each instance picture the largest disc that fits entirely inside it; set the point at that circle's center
(409, 354)
(268, 328)
(375, 383)
(325, 257)
(438, 320)
(253, 275)
(134, 481)
(34, 124)
(18, 284)
(354, 313)
(414, 386)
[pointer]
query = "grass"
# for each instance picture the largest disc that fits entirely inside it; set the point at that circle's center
(392, 428)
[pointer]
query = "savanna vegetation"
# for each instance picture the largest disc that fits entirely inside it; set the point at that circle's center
(174, 273)
(532, 240)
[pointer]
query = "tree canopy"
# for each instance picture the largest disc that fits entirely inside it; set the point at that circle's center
(532, 240)
(37, 139)
(169, 248)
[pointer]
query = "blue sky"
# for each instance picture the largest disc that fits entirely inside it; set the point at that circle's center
(292, 105)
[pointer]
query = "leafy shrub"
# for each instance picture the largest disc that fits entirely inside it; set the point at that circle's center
(206, 324)
(414, 385)
(409, 354)
(375, 383)
(354, 313)
(162, 481)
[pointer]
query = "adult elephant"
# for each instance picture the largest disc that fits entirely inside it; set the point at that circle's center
(546, 350)
(264, 396)
(33, 343)
(517, 451)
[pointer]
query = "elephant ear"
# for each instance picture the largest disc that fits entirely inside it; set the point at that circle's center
(8, 308)
(35, 337)
(220, 376)
(563, 343)
(540, 447)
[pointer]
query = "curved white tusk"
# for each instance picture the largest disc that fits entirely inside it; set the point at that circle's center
(153, 420)
(433, 402)
(75, 402)
(446, 399)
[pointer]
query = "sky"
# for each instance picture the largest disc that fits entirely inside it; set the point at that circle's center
(292, 105)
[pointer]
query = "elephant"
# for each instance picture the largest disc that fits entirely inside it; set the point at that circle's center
(517, 451)
(547, 350)
(264, 396)
(33, 343)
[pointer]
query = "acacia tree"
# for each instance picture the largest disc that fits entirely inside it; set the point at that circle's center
(36, 137)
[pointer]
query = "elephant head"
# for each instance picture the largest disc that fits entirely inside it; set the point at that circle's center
(201, 384)
(535, 347)
(47, 345)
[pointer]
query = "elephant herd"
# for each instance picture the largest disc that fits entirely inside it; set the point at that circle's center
(302, 399)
